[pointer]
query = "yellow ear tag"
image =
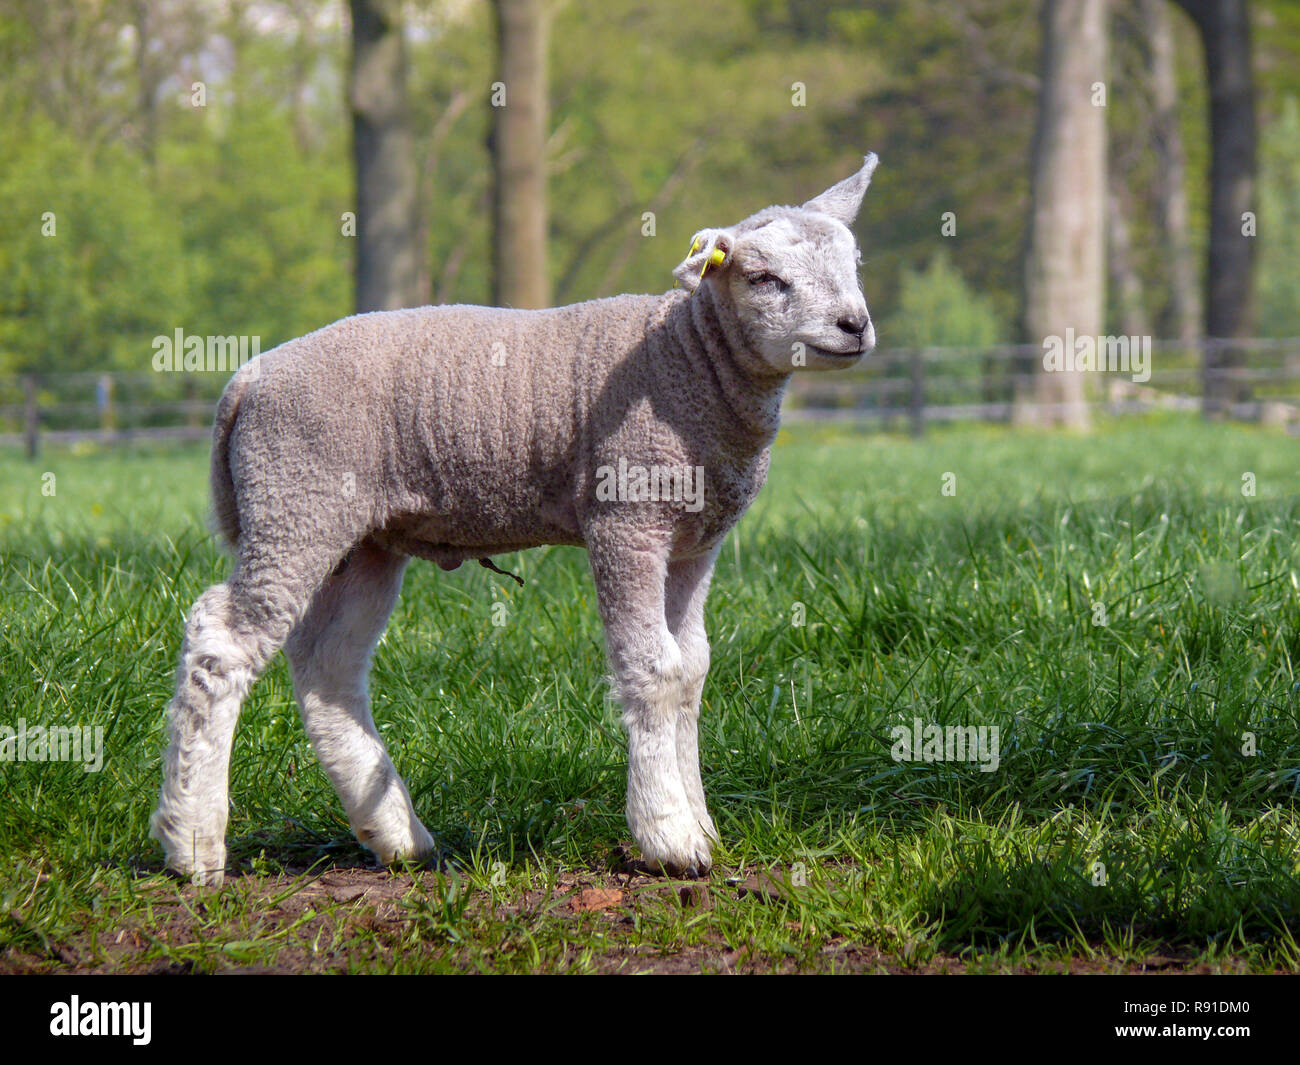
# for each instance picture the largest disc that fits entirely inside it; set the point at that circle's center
(716, 258)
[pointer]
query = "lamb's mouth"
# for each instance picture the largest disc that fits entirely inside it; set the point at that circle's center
(845, 356)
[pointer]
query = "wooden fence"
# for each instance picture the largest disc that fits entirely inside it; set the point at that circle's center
(912, 388)
(894, 389)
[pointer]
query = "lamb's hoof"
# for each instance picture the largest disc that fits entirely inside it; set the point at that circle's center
(680, 849)
(693, 871)
(210, 873)
(415, 846)
(189, 856)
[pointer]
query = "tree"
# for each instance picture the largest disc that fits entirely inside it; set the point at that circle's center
(1171, 174)
(387, 266)
(1279, 254)
(518, 146)
(1224, 27)
(1065, 278)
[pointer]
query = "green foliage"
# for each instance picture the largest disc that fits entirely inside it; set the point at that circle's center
(688, 111)
(1279, 226)
(936, 308)
(110, 274)
(451, 70)
(226, 219)
(261, 230)
(680, 109)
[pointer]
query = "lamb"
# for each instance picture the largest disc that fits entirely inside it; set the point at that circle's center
(459, 433)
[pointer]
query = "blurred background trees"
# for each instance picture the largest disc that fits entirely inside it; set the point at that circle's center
(199, 158)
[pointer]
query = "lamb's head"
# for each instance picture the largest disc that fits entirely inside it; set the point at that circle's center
(791, 275)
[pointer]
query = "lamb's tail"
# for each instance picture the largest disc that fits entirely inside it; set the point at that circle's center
(225, 508)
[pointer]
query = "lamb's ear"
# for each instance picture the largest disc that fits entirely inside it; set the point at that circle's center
(710, 249)
(842, 201)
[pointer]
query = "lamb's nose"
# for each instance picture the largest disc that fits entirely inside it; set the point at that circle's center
(854, 326)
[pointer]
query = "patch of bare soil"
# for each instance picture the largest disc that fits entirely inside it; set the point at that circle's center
(331, 921)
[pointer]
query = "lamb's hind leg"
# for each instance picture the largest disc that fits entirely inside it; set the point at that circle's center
(231, 633)
(329, 653)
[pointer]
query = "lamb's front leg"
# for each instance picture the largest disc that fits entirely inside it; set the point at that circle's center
(687, 588)
(649, 680)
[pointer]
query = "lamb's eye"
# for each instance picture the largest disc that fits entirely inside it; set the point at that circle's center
(765, 278)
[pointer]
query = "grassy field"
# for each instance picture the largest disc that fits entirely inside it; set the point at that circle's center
(1122, 607)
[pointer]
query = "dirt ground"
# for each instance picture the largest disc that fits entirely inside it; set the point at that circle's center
(361, 913)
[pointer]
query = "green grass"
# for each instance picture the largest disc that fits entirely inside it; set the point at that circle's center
(1115, 604)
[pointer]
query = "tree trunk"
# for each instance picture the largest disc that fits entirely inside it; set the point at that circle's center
(387, 264)
(1224, 27)
(1065, 269)
(518, 146)
(1171, 175)
(1125, 280)
(146, 72)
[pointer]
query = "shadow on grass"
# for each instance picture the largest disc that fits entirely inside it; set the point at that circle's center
(1183, 891)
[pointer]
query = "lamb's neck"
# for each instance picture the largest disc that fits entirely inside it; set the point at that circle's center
(744, 386)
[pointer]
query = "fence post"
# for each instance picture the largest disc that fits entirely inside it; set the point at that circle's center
(917, 402)
(104, 401)
(1209, 378)
(31, 417)
(192, 417)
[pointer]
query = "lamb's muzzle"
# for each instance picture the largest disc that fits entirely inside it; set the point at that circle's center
(638, 427)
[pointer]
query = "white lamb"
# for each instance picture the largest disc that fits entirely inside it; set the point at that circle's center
(455, 433)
